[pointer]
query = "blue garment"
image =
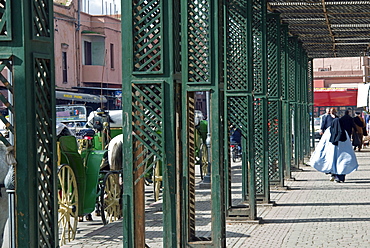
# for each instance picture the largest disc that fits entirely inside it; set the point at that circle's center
(335, 159)
(235, 136)
(326, 122)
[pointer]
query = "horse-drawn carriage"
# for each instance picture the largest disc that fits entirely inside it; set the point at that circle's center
(86, 182)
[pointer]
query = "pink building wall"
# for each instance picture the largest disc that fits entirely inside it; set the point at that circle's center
(329, 72)
(70, 39)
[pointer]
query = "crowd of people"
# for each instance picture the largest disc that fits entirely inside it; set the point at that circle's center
(341, 136)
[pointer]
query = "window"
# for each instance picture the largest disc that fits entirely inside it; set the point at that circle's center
(112, 56)
(64, 67)
(87, 50)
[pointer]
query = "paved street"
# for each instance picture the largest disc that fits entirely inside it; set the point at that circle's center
(313, 212)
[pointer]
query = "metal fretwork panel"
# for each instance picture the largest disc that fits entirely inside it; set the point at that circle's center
(6, 66)
(260, 100)
(274, 141)
(191, 166)
(45, 141)
(41, 24)
(198, 49)
(292, 42)
(260, 108)
(310, 82)
(5, 20)
(273, 62)
(259, 50)
(236, 28)
(147, 126)
(147, 36)
(283, 60)
(237, 112)
(275, 157)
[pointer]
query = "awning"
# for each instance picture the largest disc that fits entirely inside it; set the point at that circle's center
(81, 97)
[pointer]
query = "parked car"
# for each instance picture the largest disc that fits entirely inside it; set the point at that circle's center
(317, 127)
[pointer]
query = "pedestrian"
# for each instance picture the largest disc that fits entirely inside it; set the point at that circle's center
(235, 137)
(334, 154)
(360, 124)
(347, 123)
(325, 121)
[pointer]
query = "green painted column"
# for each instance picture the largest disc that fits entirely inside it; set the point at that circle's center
(149, 113)
(292, 98)
(238, 88)
(27, 43)
(298, 111)
(260, 101)
(311, 99)
(286, 115)
(275, 121)
(201, 71)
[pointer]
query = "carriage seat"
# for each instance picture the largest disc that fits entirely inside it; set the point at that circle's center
(70, 155)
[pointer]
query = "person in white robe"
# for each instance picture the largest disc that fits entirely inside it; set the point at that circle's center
(334, 154)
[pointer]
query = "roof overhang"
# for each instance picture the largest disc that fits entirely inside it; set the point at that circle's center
(327, 28)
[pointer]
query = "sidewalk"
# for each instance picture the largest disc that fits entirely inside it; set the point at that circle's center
(314, 212)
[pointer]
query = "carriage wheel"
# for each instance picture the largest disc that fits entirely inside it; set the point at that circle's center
(67, 204)
(233, 154)
(110, 198)
(203, 160)
(157, 180)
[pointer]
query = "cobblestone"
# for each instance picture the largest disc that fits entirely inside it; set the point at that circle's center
(313, 212)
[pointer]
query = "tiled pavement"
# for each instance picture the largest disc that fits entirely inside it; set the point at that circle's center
(313, 212)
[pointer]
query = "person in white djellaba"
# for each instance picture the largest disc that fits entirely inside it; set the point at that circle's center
(334, 154)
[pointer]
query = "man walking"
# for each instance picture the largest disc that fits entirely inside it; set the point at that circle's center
(359, 123)
(347, 122)
(325, 123)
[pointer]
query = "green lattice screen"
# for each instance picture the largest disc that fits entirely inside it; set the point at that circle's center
(292, 69)
(274, 94)
(5, 68)
(198, 41)
(237, 112)
(259, 154)
(41, 28)
(237, 64)
(5, 20)
(283, 59)
(147, 125)
(310, 83)
(258, 49)
(299, 83)
(147, 36)
(191, 165)
(260, 97)
(272, 60)
(274, 141)
(45, 126)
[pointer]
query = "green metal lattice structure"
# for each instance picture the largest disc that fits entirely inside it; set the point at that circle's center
(27, 66)
(253, 58)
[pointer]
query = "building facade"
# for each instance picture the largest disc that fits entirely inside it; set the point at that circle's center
(87, 53)
(340, 72)
(337, 82)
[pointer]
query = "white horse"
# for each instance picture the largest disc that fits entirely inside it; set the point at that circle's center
(4, 167)
(115, 152)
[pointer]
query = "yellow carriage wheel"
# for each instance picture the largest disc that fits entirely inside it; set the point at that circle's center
(157, 180)
(67, 204)
(110, 198)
